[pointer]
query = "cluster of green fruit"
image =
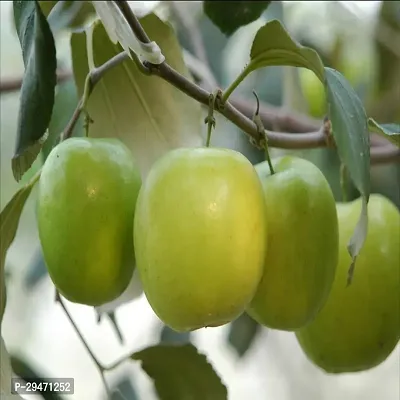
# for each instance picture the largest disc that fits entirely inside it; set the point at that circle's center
(213, 236)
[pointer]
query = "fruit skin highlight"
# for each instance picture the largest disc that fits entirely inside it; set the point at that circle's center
(200, 236)
(359, 326)
(87, 195)
(302, 249)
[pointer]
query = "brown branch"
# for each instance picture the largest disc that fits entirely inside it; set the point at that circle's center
(13, 84)
(295, 131)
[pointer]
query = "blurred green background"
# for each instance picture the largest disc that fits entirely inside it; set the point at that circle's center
(362, 40)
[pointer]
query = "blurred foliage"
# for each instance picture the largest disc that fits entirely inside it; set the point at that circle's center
(123, 390)
(240, 13)
(169, 336)
(23, 369)
(67, 14)
(242, 332)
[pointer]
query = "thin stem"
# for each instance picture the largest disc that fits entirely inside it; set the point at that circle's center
(92, 78)
(83, 341)
(210, 119)
(261, 131)
(133, 22)
(234, 85)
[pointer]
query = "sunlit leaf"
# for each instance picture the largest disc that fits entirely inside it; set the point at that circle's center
(39, 81)
(181, 373)
(273, 45)
(149, 115)
(119, 31)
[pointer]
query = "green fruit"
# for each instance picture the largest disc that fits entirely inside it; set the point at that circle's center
(302, 244)
(87, 195)
(200, 236)
(360, 324)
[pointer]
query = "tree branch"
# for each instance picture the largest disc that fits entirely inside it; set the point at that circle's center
(13, 84)
(295, 131)
(92, 79)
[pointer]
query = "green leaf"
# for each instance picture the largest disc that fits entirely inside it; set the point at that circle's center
(350, 128)
(181, 373)
(119, 31)
(242, 332)
(66, 100)
(170, 336)
(39, 81)
(230, 17)
(389, 131)
(9, 220)
(350, 131)
(273, 45)
(6, 374)
(149, 115)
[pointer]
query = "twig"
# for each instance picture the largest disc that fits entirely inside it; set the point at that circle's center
(91, 80)
(283, 140)
(12, 84)
(295, 131)
(83, 341)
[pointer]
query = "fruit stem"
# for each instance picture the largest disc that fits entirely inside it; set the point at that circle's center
(229, 90)
(261, 132)
(82, 339)
(210, 119)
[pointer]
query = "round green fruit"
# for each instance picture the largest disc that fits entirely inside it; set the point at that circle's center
(199, 236)
(359, 326)
(302, 244)
(87, 195)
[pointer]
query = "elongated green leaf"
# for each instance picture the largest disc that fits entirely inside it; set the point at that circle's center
(149, 115)
(389, 131)
(181, 373)
(350, 130)
(230, 17)
(9, 220)
(242, 333)
(273, 45)
(6, 374)
(37, 91)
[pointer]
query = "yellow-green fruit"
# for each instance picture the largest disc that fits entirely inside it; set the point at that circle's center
(360, 324)
(199, 236)
(302, 244)
(87, 196)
